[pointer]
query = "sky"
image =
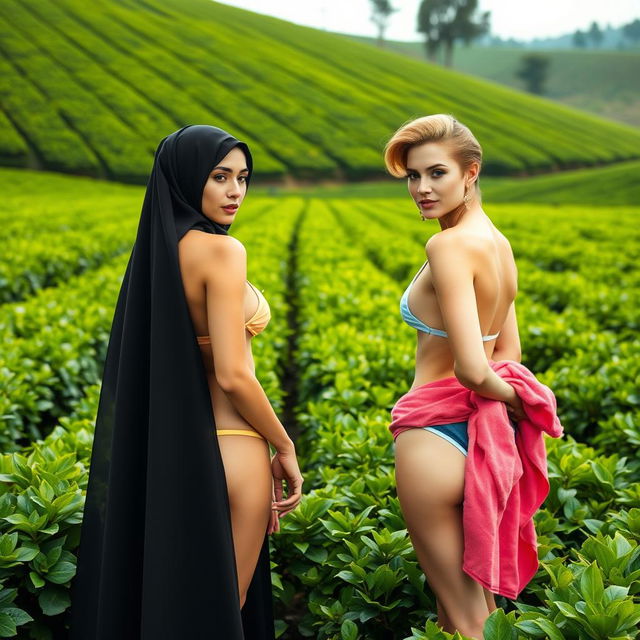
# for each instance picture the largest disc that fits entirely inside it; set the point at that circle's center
(509, 18)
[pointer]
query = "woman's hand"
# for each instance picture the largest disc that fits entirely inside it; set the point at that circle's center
(274, 521)
(515, 410)
(284, 466)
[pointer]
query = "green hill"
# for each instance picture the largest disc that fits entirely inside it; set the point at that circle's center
(92, 88)
(606, 83)
(615, 185)
(605, 186)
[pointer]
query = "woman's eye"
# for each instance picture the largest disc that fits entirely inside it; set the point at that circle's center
(412, 176)
(242, 178)
(436, 173)
(218, 175)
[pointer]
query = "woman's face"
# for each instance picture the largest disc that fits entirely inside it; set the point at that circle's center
(225, 187)
(436, 181)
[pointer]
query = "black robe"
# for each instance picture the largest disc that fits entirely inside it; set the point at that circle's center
(156, 559)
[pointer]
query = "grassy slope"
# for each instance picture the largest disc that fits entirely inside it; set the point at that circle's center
(93, 91)
(606, 83)
(615, 185)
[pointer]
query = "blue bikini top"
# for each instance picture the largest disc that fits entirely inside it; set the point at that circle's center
(412, 321)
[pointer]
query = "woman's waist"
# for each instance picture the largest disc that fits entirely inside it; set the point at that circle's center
(224, 412)
(426, 373)
(225, 415)
(433, 365)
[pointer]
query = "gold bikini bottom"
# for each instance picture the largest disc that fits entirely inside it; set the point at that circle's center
(239, 432)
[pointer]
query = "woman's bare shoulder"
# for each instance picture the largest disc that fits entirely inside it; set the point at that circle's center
(210, 253)
(202, 245)
(454, 243)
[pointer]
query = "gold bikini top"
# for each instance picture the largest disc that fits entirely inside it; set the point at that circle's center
(256, 323)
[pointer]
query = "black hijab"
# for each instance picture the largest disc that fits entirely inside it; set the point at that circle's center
(156, 558)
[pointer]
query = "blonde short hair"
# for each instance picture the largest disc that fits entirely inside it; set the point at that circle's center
(438, 127)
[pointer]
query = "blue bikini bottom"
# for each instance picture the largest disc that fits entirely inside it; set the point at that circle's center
(456, 433)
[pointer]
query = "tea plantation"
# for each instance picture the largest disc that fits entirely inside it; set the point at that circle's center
(333, 360)
(93, 92)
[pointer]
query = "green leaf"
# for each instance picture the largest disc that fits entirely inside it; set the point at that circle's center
(615, 592)
(46, 491)
(529, 627)
(52, 551)
(348, 630)
(280, 627)
(497, 627)
(7, 596)
(602, 474)
(301, 546)
(367, 614)
(604, 625)
(36, 580)
(318, 555)
(7, 626)
(591, 585)
(8, 543)
(275, 578)
(567, 610)
(19, 616)
(348, 576)
(626, 612)
(593, 525)
(27, 552)
(22, 465)
(622, 545)
(552, 631)
(61, 572)
(51, 529)
(17, 518)
(54, 600)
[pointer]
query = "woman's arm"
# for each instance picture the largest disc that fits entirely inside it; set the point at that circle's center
(508, 342)
(452, 274)
(225, 277)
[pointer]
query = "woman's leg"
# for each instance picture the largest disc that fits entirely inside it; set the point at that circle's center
(443, 618)
(247, 468)
(430, 484)
(491, 602)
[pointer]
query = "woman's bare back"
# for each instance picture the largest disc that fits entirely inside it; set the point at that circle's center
(495, 286)
(191, 248)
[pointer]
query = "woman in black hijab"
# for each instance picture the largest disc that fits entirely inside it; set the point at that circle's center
(166, 509)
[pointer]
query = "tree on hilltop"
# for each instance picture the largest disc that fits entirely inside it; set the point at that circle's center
(579, 39)
(631, 31)
(381, 11)
(533, 71)
(443, 22)
(595, 34)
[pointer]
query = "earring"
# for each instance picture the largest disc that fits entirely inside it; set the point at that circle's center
(467, 196)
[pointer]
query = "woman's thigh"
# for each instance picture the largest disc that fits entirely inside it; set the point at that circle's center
(247, 467)
(430, 484)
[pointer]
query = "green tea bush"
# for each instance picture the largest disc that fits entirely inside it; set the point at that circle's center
(347, 547)
(343, 565)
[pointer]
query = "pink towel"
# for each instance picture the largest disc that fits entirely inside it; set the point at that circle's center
(505, 479)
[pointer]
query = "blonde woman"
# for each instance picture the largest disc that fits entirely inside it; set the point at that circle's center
(461, 302)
